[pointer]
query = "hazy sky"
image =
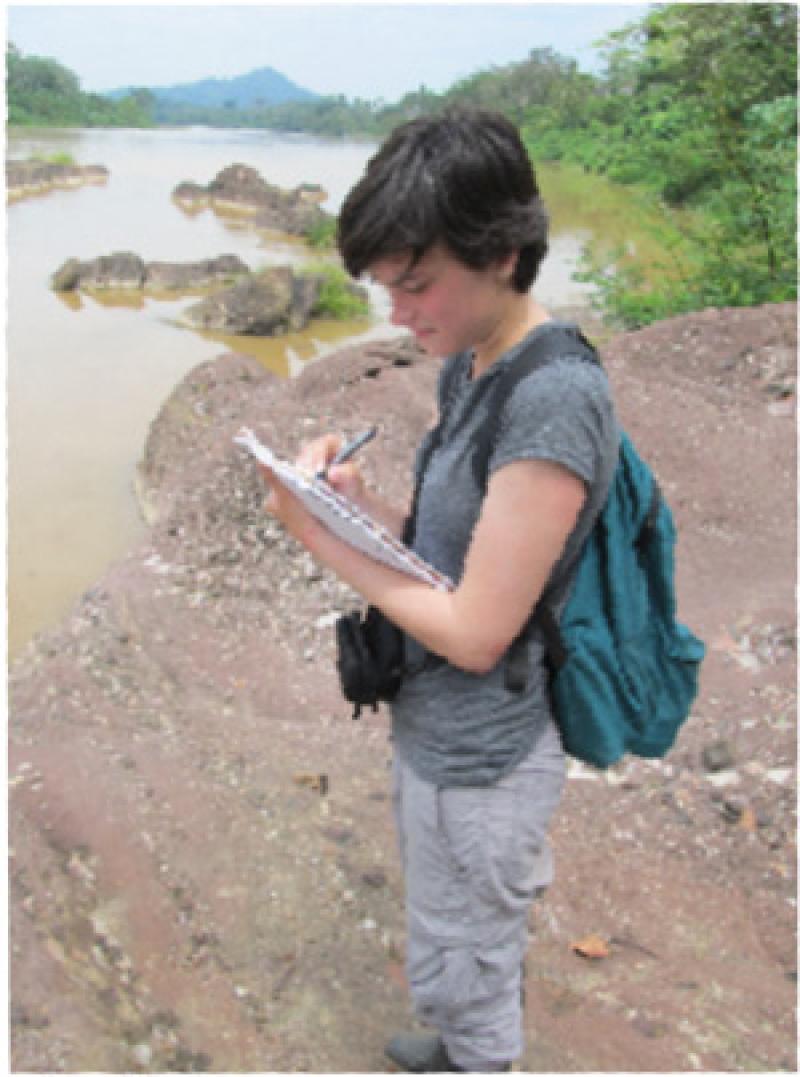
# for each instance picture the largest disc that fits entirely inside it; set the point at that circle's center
(364, 50)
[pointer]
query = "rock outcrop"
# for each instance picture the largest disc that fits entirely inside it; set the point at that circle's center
(127, 270)
(273, 302)
(201, 865)
(241, 189)
(202, 869)
(26, 178)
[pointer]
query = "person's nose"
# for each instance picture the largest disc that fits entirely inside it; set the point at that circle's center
(401, 311)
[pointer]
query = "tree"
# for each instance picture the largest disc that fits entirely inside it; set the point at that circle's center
(42, 91)
(704, 113)
(40, 88)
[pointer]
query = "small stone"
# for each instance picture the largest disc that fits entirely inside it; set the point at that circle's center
(747, 660)
(753, 768)
(578, 771)
(720, 781)
(142, 1054)
(774, 838)
(717, 756)
(649, 1028)
(733, 808)
(342, 835)
(780, 775)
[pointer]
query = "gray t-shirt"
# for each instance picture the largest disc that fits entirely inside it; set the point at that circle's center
(458, 728)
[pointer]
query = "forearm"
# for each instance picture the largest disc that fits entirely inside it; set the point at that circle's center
(473, 625)
(438, 620)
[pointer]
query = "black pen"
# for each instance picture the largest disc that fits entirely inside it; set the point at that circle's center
(350, 449)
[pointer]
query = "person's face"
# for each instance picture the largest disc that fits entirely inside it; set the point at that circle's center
(446, 305)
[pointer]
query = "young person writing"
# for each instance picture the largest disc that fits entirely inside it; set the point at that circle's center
(448, 218)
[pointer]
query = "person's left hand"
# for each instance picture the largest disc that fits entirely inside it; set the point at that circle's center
(286, 508)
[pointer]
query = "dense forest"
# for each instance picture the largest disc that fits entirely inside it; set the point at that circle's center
(696, 111)
(42, 92)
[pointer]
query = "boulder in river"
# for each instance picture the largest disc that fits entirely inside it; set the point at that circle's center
(120, 270)
(241, 189)
(271, 303)
(127, 270)
(24, 178)
(181, 275)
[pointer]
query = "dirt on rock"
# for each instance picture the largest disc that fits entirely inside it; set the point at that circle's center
(202, 865)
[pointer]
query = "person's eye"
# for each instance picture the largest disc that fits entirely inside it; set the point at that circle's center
(416, 287)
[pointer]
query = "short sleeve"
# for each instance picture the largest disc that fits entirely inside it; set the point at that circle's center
(562, 412)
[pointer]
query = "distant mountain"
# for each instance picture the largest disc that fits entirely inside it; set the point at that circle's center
(262, 87)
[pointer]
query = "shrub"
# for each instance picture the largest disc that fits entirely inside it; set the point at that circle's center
(338, 296)
(322, 234)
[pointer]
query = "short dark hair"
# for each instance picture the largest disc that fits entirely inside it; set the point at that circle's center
(462, 178)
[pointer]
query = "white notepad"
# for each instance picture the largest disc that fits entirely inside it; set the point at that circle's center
(344, 518)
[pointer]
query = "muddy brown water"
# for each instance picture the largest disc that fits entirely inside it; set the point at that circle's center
(85, 378)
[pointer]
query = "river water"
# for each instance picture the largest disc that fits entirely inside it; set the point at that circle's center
(85, 378)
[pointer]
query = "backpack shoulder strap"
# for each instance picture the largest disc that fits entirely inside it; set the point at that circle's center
(447, 384)
(557, 342)
(450, 373)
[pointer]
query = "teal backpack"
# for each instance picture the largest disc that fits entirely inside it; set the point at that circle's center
(623, 671)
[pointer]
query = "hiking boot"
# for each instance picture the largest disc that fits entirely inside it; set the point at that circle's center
(420, 1054)
(425, 1054)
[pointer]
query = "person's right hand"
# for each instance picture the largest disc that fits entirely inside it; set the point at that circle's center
(345, 478)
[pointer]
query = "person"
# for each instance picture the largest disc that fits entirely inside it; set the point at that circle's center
(449, 219)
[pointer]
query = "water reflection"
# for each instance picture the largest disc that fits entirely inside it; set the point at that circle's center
(288, 354)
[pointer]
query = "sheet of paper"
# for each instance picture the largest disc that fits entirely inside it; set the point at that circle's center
(343, 517)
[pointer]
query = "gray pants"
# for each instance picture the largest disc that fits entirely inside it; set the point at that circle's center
(474, 860)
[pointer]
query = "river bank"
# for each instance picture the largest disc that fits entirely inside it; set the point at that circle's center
(92, 369)
(87, 373)
(202, 865)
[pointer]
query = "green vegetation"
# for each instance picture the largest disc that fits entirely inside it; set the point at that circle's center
(43, 93)
(699, 114)
(55, 158)
(338, 297)
(322, 235)
(695, 115)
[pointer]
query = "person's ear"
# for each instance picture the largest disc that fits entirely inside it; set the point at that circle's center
(505, 267)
